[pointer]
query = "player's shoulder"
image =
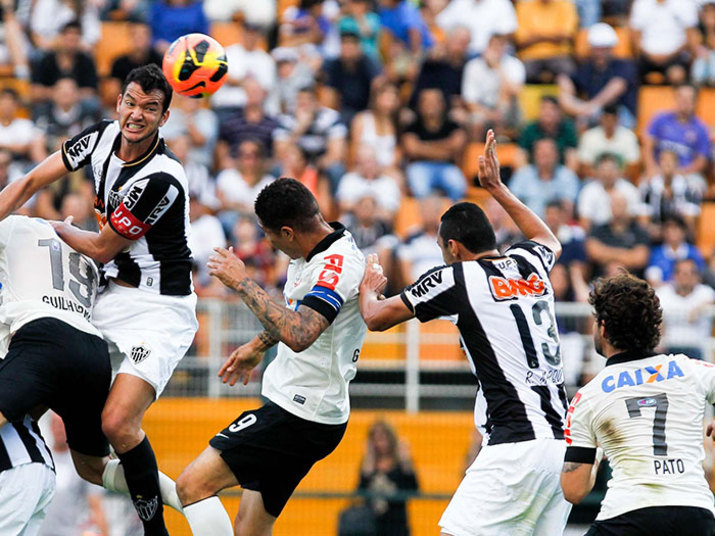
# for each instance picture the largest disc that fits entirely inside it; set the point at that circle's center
(337, 248)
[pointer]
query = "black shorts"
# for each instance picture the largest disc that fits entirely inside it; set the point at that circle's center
(50, 363)
(270, 451)
(657, 521)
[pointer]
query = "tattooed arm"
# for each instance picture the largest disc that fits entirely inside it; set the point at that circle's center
(578, 478)
(297, 329)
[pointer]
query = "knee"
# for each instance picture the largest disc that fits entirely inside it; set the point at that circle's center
(191, 487)
(90, 470)
(119, 427)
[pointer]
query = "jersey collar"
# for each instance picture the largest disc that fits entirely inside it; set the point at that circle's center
(156, 146)
(631, 355)
(328, 241)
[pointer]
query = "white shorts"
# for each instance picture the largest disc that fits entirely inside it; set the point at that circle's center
(147, 334)
(25, 494)
(511, 489)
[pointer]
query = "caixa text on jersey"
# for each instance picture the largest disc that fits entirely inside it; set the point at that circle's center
(62, 303)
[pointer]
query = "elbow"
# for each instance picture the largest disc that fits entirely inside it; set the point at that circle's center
(374, 324)
(573, 493)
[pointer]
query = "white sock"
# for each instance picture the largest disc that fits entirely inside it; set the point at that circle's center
(208, 518)
(113, 479)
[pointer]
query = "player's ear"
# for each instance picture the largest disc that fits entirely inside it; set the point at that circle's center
(164, 117)
(287, 232)
(453, 247)
(119, 101)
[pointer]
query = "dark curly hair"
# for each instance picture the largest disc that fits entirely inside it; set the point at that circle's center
(629, 310)
(286, 202)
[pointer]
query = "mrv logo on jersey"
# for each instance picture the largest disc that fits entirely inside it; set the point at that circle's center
(433, 283)
(81, 148)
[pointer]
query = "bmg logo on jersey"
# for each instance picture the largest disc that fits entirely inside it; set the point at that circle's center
(651, 374)
(503, 288)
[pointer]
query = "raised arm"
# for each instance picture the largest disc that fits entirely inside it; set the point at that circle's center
(20, 191)
(296, 329)
(529, 223)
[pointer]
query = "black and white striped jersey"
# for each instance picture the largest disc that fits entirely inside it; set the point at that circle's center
(22, 443)
(145, 200)
(504, 309)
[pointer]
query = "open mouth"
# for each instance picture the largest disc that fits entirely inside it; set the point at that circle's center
(133, 127)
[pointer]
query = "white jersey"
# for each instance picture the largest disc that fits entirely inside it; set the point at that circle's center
(42, 277)
(313, 384)
(647, 415)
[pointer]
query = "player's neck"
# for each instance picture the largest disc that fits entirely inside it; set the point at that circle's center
(313, 237)
(129, 152)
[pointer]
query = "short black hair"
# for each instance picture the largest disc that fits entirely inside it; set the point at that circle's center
(550, 98)
(676, 219)
(286, 203)
(605, 157)
(468, 224)
(610, 109)
(150, 77)
(10, 92)
(630, 311)
(74, 24)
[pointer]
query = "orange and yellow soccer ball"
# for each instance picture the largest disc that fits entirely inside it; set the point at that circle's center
(195, 65)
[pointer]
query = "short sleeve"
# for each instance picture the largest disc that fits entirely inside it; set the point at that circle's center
(579, 436)
(544, 255)
(336, 279)
(433, 295)
(146, 202)
(77, 151)
(704, 373)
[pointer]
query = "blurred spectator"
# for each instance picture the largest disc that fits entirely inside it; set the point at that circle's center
(366, 179)
(318, 131)
(434, 144)
(49, 202)
(680, 131)
(81, 208)
(293, 74)
(420, 252)
(256, 253)
(304, 24)
(170, 19)
(484, 18)
(296, 164)
(551, 124)
(237, 188)
(249, 123)
(77, 505)
(443, 68)
(201, 184)
(589, 12)
(569, 275)
(124, 9)
(66, 60)
(545, 180)
(505, 230)
(140, 53)
(261, 13)
(608, 137)
(361, 20)
(20, 136)
(687, 325)
(386, 473)
(600, 81)
(49, 17)
(670, 194)
(189, 117)
(490, 89)
(14, 46)
(405, 24)
(702, 72)
(544, 38)
(620, 242)
(247, 60)
(372, 233)
(206, 234)
(594, 199)
(65, 116)
(664, 34)
(348, 78)
(377, 126)
(673, 249)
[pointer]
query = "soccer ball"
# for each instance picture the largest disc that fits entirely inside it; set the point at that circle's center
(195, 65)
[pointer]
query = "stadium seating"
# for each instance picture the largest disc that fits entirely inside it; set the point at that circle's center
(530, 98)
(115, 41)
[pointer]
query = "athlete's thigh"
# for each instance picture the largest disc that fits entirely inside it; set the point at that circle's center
(252, 518)
(205, 476)
(25, 492)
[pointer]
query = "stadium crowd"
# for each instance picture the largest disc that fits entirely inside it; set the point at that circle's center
(377, 108)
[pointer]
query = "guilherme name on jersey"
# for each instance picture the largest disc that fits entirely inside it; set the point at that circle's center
(62, 303)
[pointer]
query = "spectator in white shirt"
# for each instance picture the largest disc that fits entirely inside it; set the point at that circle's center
(608, 137)
(18, 135)
(687, 323)
(365, 180)
(206, 234)
(246, 60)
(262, 13)
(664, 33)
(594, 201)
(484, 18)
(490, 86)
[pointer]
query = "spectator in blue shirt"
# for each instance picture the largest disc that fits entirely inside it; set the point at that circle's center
(170, 19)
(679, 131)
(545, 180)
(405, 23)
(674, 248)
(361, 20)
